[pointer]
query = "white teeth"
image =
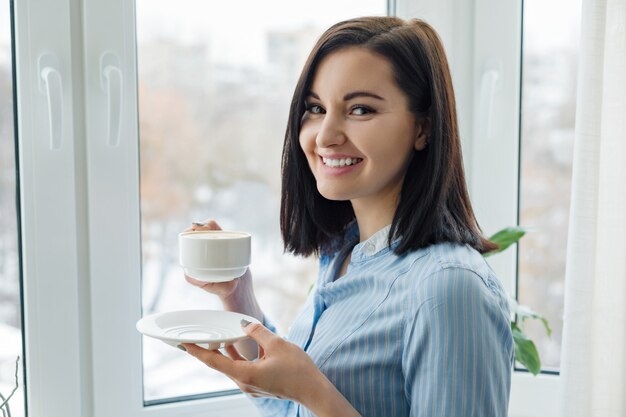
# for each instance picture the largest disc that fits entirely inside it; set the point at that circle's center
(337, 163)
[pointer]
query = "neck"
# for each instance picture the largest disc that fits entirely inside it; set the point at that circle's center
(371, 217)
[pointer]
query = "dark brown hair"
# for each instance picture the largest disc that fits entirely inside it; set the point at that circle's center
(434, 204)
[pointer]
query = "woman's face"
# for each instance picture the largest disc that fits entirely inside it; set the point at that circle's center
(357, 132)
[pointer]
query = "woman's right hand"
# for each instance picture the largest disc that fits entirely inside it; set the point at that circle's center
(236, 295)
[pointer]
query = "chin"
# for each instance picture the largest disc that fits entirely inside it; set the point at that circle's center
(334, 195)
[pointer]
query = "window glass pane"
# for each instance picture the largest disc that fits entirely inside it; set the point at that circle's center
(215, 83)
(550, 54)
(10, 297)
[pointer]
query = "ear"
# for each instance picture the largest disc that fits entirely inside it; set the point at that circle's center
(422, 134)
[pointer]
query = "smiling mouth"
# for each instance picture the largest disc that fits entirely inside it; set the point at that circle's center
(340, 163)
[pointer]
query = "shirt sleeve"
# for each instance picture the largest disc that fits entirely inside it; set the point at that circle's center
(458, 348)
(270, 407)
(268, 323)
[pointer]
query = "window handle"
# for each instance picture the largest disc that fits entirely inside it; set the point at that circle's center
(489, 85)
(112, 82)
(51, 84)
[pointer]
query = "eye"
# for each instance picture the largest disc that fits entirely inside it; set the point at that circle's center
(361, 110)
(314, 109)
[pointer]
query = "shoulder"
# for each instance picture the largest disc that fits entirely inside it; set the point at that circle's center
(448, 255)
(450, 273)
(446, 258)
(416, 266)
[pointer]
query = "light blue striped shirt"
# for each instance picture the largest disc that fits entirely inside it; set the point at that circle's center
(423, 334)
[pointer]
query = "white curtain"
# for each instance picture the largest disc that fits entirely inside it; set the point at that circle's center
(593, 360)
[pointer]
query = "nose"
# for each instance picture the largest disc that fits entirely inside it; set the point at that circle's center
(331, 132)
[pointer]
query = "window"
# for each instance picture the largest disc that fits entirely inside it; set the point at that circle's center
(213, 97)
(550, 54)
(10, 294)
(99, 239)
(510, 119)
(91, 239)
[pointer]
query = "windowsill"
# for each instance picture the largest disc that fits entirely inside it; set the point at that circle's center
(534, 396)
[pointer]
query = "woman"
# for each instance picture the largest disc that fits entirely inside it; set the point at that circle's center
(406, 318)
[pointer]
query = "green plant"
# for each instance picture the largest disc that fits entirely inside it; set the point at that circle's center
(4, 407)
(525, 350)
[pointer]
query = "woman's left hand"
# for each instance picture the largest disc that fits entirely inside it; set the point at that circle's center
(283, 371)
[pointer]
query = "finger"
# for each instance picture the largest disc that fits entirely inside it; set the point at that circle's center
(197, 225)
(194, 281)
(206, 225)
(233, 353)
(212, 358)
(258, 333)
(197, 283)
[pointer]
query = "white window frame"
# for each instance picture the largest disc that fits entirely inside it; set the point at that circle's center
(483, 40)
(56, 316)
(81, 259)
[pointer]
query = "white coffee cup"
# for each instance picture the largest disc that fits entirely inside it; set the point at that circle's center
(214, 255)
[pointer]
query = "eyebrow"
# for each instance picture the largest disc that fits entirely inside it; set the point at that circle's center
(351, 95)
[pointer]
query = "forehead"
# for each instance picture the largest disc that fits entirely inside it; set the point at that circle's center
(353, 68)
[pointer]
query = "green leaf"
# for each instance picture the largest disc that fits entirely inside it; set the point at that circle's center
(505, 238)
(525, 350)
(525, 312)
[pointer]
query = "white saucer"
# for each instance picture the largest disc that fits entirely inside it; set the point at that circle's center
(211, 329)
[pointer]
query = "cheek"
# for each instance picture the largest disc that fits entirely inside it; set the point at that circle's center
(393, 158)
(306, 149)
(307, 141)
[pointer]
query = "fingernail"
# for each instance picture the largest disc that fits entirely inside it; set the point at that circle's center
(181, 347)
(244, 322)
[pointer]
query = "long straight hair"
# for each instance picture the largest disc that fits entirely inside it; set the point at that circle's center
(434, 204)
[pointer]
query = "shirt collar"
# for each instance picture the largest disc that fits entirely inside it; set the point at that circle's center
(377, 242)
